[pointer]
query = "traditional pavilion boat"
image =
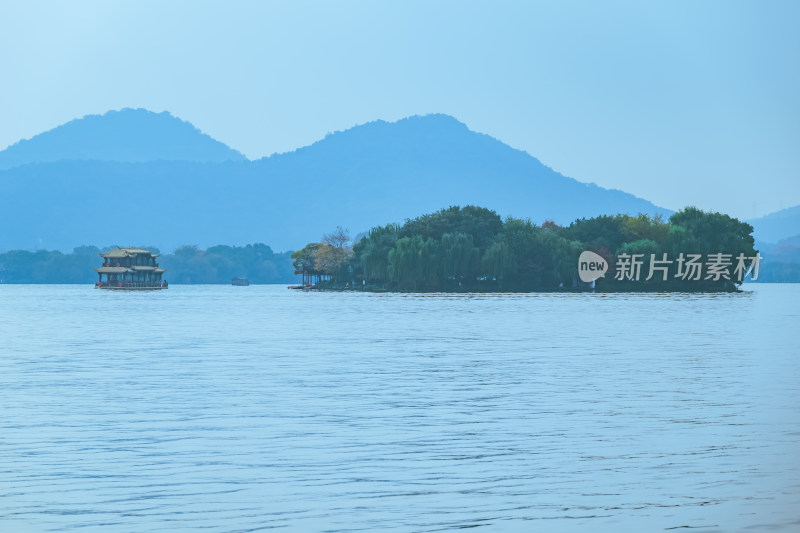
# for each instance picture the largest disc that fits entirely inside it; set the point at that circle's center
(130, 269)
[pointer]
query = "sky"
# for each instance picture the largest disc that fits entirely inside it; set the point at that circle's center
(679, 102)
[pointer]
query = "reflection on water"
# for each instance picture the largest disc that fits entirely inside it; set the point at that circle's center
(246, 408)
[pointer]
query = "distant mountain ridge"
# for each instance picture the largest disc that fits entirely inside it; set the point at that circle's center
(777, 226)
(130, 135)
(371, 174)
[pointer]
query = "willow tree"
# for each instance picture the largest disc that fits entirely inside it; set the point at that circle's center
(430, 262)
(565, 256)
(414, 262)
(373, 252)
(497, 261)
(460, 257)
(404, 265)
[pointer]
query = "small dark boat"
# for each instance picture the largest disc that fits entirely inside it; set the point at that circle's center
(241, 282)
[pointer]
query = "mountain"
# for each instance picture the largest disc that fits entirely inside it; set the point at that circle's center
(126, 135)
(777, 226)
(784, 251)
(371, 174)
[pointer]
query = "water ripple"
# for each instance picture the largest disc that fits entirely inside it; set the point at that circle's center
(244, 410)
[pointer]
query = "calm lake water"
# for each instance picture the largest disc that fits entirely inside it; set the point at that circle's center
(227, 409)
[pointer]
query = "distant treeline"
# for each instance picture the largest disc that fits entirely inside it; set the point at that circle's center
(782, 261)
(472, 248)
(468, 248)
(779, 272)
(187, 264)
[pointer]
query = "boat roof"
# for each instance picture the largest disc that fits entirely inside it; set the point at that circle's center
(125, 252)
(123, 270)
(112, 270)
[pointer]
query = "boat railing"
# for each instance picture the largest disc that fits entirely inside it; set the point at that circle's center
(131, 284)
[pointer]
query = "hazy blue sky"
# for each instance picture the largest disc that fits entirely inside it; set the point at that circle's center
(678, 102)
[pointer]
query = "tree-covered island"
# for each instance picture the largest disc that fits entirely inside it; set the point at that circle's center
(474, 249)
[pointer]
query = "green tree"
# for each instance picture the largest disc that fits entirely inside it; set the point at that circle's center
(414, 263)
(480, 223)
(460, 257)
(706, 232)
(373, 252)
(497, 260)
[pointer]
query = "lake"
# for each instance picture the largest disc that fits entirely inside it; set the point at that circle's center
(232, 409)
